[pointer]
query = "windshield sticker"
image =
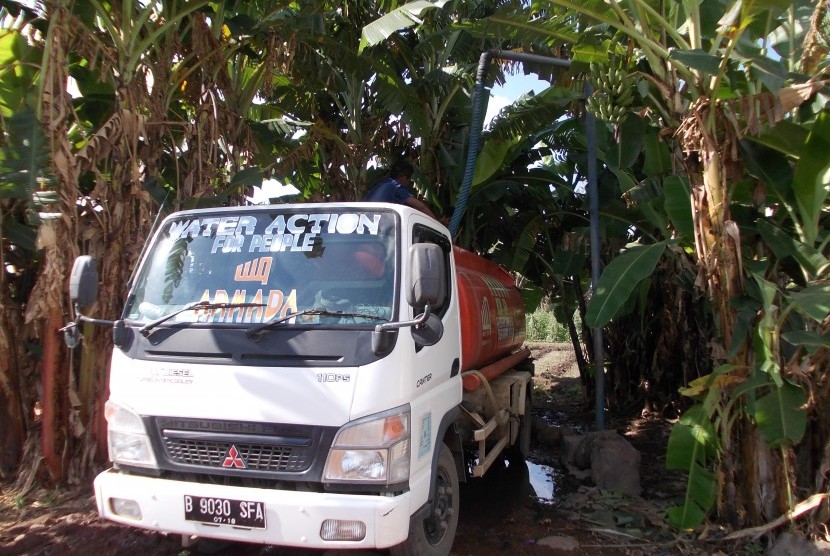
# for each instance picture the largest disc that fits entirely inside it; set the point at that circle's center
(334, 223)
(257, 270)
(298, 232)
(229, 225)
(276, 304)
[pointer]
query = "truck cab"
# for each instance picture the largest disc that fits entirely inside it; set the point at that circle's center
(292, 375)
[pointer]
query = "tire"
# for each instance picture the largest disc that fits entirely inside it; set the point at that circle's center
(434, 533)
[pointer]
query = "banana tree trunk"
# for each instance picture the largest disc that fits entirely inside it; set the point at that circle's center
(581, 362)
(12, 419)
(54, 439)
(717, 238)
(46, 306)
(749, 473)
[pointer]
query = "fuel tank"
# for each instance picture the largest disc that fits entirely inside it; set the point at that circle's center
(491, 310)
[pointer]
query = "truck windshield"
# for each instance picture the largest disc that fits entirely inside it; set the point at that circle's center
(336, 267)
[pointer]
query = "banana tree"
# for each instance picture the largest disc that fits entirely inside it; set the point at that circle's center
(712, 88)
(156, 115)
(707, 83)
(26, 200)
(522, 206)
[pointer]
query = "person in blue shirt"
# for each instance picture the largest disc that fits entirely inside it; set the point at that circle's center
(392, 189)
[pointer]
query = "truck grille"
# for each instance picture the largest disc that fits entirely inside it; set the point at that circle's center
(241, 448)
(258, 457)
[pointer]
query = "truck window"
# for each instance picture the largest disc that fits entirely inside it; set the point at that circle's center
(280, 263)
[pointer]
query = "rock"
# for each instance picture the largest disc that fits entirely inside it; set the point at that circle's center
(615, 464)
(579, 474)
(793, 545)
(560, 543)
(546, 434)
(577, 450)
(613, 461)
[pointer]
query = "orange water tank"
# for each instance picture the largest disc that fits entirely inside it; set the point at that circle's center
(491, 310)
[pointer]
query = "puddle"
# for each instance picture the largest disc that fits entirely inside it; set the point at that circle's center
(543, 480)
(509, 487)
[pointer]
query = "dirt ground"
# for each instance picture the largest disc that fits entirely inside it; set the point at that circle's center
(532, 509)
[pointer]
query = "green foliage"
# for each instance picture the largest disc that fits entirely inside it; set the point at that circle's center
(777, 212)
(812, 175)
(813, 301)
(52, 497)
(356, 102)
(619, 281)
(24, 180)
(692, 443)
(18, 63)
(400, 18)
(678, 205)
(542, 326)
(780, 415)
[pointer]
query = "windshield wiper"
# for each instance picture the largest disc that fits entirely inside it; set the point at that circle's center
(147, 328)
(257, 330)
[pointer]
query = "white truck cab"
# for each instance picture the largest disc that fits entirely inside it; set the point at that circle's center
(291, 375)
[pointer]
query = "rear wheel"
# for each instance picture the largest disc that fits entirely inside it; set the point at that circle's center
(433, 534)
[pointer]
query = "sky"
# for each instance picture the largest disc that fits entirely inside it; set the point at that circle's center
(514, 87)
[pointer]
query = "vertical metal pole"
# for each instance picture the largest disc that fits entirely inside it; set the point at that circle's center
(593, 207)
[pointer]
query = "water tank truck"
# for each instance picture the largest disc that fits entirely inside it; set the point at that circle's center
(309, 375)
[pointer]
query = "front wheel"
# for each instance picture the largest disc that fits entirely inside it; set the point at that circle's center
(434, 533)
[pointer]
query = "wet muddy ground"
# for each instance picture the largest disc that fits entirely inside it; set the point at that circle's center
(535, 508)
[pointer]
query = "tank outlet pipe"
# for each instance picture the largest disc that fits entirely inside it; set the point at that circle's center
(464, 194)
(473, 381)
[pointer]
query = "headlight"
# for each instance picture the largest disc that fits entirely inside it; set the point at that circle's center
(373, 450)
(128, 441)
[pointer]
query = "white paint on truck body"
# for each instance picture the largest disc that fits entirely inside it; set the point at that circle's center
(291, 395)
(296, 395)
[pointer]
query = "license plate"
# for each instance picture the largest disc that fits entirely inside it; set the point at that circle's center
(221, 511)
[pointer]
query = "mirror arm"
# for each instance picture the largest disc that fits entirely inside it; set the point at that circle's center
(418, 321)
(72, 333)
(82, 318)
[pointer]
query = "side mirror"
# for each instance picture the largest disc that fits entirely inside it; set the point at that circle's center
(430, 332)
(83, 282)
(427, 330)
(83, 291)
(426, 287)
(427, 276)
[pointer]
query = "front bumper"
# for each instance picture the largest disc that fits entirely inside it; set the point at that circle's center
(292, 518)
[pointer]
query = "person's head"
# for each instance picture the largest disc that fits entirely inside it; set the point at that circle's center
(401, 171)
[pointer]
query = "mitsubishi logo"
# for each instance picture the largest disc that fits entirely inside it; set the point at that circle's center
(233, 459)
